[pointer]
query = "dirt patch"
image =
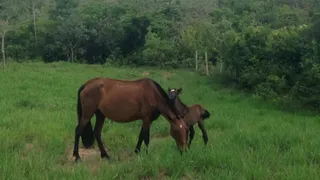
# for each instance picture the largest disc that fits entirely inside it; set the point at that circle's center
(163, 175)
(125, 156)
(28, 148)
(166, 175)
(86, 155)
(186, 177)
(91, 157)
(160, 136)
(145, 73)
(167, 74)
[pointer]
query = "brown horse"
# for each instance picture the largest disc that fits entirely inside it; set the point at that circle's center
(124, 101)
(191, 115)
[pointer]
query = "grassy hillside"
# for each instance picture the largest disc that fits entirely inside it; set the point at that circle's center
(247, 138)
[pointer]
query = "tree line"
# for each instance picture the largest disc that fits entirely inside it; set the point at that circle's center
(270, 47)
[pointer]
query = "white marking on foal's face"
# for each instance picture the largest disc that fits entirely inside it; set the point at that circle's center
(180, 126)
(172, 90)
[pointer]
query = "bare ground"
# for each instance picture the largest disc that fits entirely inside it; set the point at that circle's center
(167, 75)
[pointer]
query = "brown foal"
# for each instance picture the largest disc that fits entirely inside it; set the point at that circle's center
(191, 115)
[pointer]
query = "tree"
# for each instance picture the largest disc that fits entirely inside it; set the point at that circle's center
(33, 6)
(4, 29)
(8, 17)
(70, 34)
(63, 9)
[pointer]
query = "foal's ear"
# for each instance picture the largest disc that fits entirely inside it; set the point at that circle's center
(179, 90)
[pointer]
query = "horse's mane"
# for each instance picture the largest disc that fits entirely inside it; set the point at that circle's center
(161, 91)
(164, 95)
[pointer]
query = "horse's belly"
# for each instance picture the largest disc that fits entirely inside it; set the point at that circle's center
(120, 110)
(190, 120)
(122, 116)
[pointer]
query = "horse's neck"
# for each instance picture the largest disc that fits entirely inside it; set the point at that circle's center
(166, 109)
(180, 106)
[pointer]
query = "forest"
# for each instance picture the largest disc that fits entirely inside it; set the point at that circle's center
(268, 47)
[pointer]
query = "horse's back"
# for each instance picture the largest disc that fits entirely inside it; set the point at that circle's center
(203, 113)
(110, 84)
(121, 100)
(194, 114)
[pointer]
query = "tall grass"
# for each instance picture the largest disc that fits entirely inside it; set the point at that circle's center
(247, 140)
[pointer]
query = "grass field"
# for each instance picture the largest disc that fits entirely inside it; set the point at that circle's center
(248, 139)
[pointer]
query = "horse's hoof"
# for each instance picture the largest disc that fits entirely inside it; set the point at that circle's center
(137, 151)
(105, 156)
(78, 160)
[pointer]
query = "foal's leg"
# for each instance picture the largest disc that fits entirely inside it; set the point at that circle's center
(204, 133)
(191, 134)
(97, 132)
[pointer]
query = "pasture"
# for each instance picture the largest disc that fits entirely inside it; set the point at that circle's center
(248, 139)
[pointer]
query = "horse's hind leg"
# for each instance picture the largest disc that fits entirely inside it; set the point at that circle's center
(204, 132)
(191, 135)
(97, 132)
(78, 131)
(76, 144)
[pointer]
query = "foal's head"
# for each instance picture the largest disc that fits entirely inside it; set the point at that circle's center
(179, 106)
(174, 93)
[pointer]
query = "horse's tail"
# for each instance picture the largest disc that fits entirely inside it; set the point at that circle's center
(87, 135)
(205, 114)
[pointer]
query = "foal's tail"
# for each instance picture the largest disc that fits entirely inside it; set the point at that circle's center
(87, 135)
(205, 114)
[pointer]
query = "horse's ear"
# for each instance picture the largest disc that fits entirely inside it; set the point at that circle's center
(179, 90)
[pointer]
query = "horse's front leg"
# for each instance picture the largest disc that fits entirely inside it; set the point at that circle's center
(143, 136)
(138, 146)
(146, 129)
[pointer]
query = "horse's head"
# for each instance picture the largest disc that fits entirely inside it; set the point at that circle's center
(173, 93)
(178, 130)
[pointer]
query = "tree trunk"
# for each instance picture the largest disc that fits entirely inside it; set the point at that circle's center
(72, 55)
(221, 66)
(34, 24)
(206, 61)
(196, 60)
(3, 51)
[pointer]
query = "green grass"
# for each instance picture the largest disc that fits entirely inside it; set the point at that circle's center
(248, 139)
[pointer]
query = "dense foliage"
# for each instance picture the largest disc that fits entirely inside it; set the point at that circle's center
(270, 47)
